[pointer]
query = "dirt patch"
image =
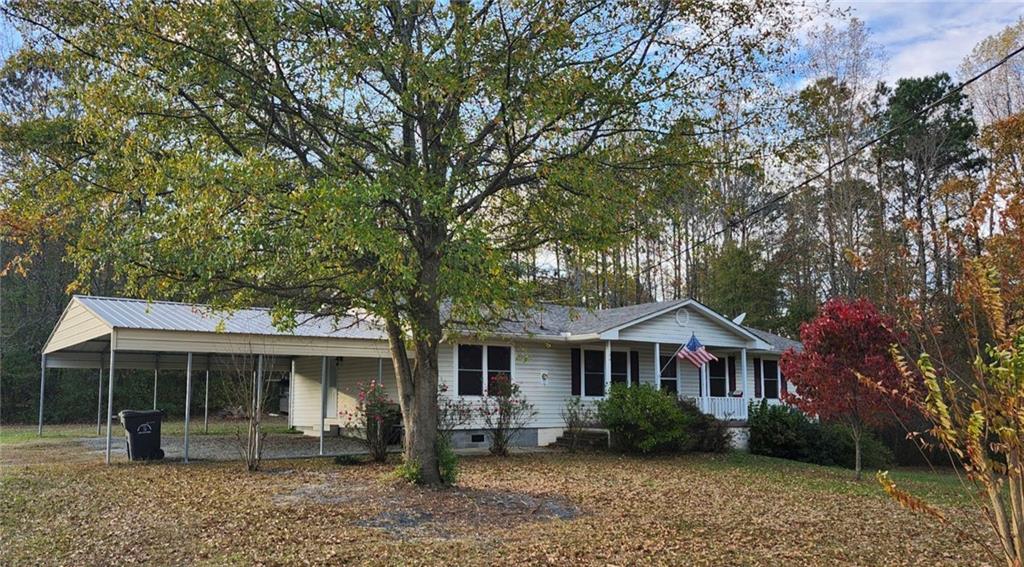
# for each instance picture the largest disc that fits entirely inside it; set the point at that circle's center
(407, 511)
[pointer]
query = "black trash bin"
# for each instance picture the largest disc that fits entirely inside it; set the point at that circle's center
(142, 428)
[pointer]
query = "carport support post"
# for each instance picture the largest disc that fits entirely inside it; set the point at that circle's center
(206, 401)
(156, 376)
(110, 402)
(42, 390)
(323, 400)
(188, 398)
(99, 399)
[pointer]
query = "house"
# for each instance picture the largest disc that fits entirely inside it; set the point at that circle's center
(552, 352)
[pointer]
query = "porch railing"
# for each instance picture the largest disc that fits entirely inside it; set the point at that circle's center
(729, 408)
(724, 408)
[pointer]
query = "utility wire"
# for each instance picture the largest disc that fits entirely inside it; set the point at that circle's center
(779, 197)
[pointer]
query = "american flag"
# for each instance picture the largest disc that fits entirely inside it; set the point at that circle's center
(695, 353)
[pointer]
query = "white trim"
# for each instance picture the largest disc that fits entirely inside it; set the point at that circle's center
(657, 368)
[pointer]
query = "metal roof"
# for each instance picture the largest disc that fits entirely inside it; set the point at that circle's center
(545, 319)
(171, 316)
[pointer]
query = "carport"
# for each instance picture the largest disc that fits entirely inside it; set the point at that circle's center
(112, 334)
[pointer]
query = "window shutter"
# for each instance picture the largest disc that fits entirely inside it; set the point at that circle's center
(782, 381)
(757, 377)
(634, 367)
(732, 375)
(575, 364)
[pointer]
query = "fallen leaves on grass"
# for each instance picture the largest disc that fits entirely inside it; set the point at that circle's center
(529, 509)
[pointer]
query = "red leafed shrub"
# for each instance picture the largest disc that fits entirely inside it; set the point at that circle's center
(504, 412)
(847, 338)
(373, 418)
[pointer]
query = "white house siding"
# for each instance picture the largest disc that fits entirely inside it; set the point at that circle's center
(306, 390)
(666, 328)
(354, 371)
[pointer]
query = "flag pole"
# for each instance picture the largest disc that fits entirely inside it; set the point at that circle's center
(676, 353)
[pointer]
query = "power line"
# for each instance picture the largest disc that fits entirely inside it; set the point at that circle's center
(777, 198)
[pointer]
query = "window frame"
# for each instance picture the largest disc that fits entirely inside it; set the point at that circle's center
(775, 378)
(605, 387)
(676, 378)
(724, 377)
(485, 347)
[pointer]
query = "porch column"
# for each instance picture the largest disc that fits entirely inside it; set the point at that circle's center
(746, 383)
(778, 376)
(188, 398)
(42, 390)
(323, 400)
(156, 377)
(110, 400)
(761, 373)
(607, 367)
(657, 366)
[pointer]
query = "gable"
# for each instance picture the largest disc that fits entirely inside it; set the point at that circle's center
(76, 325)
(676, 326)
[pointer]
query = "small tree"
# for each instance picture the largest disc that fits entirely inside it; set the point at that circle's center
(452, 413)
(505, 413)
(577, 416)
(977, 421)
(373, 419)
(847, 338)
(244, 392)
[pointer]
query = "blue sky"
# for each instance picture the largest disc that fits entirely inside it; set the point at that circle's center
(918, 37)
(923, 37)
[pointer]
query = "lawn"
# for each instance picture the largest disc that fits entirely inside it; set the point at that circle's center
(547, 508)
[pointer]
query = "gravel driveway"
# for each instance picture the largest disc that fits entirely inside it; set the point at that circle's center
(226, 447)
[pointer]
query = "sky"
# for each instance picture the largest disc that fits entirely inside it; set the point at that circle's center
(923, 37)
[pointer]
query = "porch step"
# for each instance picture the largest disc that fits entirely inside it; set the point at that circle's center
(588, 439)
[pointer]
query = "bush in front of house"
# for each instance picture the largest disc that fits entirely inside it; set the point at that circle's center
(643, 420)
(705, 433)
(786, 433)
(778, 431)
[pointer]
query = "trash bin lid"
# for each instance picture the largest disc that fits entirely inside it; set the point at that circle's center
(140, 413)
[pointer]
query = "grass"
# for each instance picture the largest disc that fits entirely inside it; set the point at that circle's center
(733, 509)
(20, 434)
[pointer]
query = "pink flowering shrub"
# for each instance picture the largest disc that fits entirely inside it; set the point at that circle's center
(373, 418)
(505, 413)
(452, 413)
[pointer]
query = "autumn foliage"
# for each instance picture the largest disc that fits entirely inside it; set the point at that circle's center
(847, 338)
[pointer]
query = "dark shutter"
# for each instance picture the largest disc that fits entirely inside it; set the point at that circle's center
(732, 375)
(575, 372)
(782, 381)
(757, 377)
(634, 367)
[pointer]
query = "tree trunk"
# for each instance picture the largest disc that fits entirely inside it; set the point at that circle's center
(856, 452)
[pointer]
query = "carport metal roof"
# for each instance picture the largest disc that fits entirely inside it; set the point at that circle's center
(120, 334)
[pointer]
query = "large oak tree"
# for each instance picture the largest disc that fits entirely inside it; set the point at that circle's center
(380, 157)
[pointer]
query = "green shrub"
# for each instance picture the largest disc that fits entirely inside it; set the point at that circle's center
(643, 420)
(780, 431)
(447, 462)
(830, 444)
(705, 434)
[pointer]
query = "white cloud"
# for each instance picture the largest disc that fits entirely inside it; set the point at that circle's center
(924, 37)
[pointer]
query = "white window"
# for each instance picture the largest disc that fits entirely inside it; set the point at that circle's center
(593, 371)
(475, 362)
